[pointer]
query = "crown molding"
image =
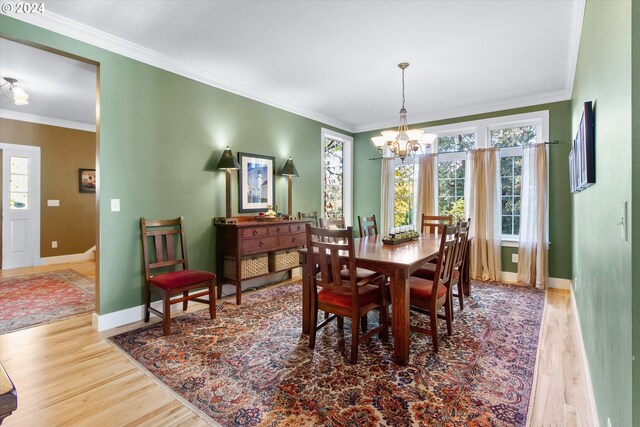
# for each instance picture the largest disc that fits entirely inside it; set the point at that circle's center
(33, 118)
(84, 33)
(574, 47)
(527, 101)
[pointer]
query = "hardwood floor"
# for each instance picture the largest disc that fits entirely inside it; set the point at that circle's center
(66, 373)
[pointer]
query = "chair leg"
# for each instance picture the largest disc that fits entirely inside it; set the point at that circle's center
(212, 299)
(185, 303)
(166, 319)
(340, 322)
(147, 303)
(434, 329)
(364, 323)
(313, 321)
(460, 295)
(448, 310)
(354, 340)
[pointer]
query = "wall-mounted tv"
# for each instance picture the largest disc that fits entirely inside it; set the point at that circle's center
(582, 159)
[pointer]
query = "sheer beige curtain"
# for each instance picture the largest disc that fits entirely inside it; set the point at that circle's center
(386, 195)
(426, 191)
(484, 209)
(534, 223)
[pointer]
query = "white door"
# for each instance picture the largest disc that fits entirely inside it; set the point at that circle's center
(20, 206)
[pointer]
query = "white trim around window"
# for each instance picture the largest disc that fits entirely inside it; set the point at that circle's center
(347, 172)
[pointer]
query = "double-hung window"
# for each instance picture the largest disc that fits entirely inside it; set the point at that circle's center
(452, 153)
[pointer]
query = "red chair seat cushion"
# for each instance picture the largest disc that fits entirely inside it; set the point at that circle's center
(361, 274)
(427, 271)
(422, 288)
(177, 279)
(368, 294)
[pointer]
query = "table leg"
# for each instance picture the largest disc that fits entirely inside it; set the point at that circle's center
(400, 316)
(305, 295)
(466, 277)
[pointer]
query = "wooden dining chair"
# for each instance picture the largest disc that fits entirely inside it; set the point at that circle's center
(427, 296)
(310, 216)
(430, 223)
(428, 271)
(330, 252)
(368, 225)
(168, 249)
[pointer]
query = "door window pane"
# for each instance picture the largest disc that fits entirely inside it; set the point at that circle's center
(333, 178)
(510, 172)
(18, 182)
(451, 188)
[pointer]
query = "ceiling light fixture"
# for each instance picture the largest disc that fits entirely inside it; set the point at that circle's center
(403, 142)
(17, 95)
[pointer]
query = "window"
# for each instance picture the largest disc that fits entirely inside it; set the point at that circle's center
(19, 182)
(336, 176)
(452, 152)
(403, 189)
(508, 134)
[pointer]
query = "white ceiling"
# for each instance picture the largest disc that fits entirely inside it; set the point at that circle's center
(336, 61)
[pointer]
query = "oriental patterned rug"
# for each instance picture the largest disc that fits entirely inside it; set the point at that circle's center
(35, 299)
(252, 367)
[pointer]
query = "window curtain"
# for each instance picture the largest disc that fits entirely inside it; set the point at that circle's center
(534, 223)
(484, 198)
(386, 195)
(426, 189)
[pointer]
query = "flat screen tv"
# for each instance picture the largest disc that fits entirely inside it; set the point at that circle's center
(582, 159)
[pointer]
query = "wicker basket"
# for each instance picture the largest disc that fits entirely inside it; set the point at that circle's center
(250, 266)
(284, 260)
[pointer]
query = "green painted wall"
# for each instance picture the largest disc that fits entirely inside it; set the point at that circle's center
(601, 258)
(367, 181)
(160, 137)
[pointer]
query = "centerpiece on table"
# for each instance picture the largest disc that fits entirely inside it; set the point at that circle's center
(402, 234)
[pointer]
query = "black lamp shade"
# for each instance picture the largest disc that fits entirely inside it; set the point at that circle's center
(289, 169)
(227, 161)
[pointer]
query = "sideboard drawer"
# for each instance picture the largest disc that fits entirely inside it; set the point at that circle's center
(298, 228)
(254, 232)
(291, 240)
(275, 230)
(264, 244)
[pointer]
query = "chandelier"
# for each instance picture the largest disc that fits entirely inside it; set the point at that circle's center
(403, 142)
(17, 95)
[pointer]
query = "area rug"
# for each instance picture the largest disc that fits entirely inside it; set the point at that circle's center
(252, 367)
(36, 299)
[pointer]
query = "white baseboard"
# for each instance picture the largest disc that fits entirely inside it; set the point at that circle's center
(64, 259)
(124, 317)
(554, 282)
(585, 363)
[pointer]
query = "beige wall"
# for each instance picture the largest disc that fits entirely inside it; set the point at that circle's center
(63, 152)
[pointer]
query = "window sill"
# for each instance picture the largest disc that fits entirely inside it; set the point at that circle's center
(509, 243)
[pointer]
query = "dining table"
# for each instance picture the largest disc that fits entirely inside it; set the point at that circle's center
(394, 261)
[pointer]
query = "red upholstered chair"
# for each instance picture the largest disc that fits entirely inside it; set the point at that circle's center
(331, 252)
(368, 225)
(427, 296)
(427, 271)
(430, 223)
(169, 250)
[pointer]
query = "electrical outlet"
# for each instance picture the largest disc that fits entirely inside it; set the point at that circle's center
(54, 244)
(514, 258)
(115, 205)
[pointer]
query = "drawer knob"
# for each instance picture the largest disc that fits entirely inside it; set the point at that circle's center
(261, 244)
(293, 239)
(255, 232)
(278, 229)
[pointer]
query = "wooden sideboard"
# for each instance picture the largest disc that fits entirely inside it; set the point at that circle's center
(255, 243)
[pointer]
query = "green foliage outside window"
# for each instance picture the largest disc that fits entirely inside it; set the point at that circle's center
(403, 195)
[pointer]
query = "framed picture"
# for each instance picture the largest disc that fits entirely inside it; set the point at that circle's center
(256, 183)
(87, 180)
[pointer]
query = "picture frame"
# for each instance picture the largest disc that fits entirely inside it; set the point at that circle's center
(582, 163)
(256, 182)
(87, 180)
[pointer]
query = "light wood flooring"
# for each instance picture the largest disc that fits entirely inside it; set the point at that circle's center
(67, 374)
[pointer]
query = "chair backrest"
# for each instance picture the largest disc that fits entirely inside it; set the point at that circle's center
(168, 244)
(446, 258)
(368, 225)
(463, 236)
(312, 216)
(431, 223)
(331, 223)
(332, 251)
